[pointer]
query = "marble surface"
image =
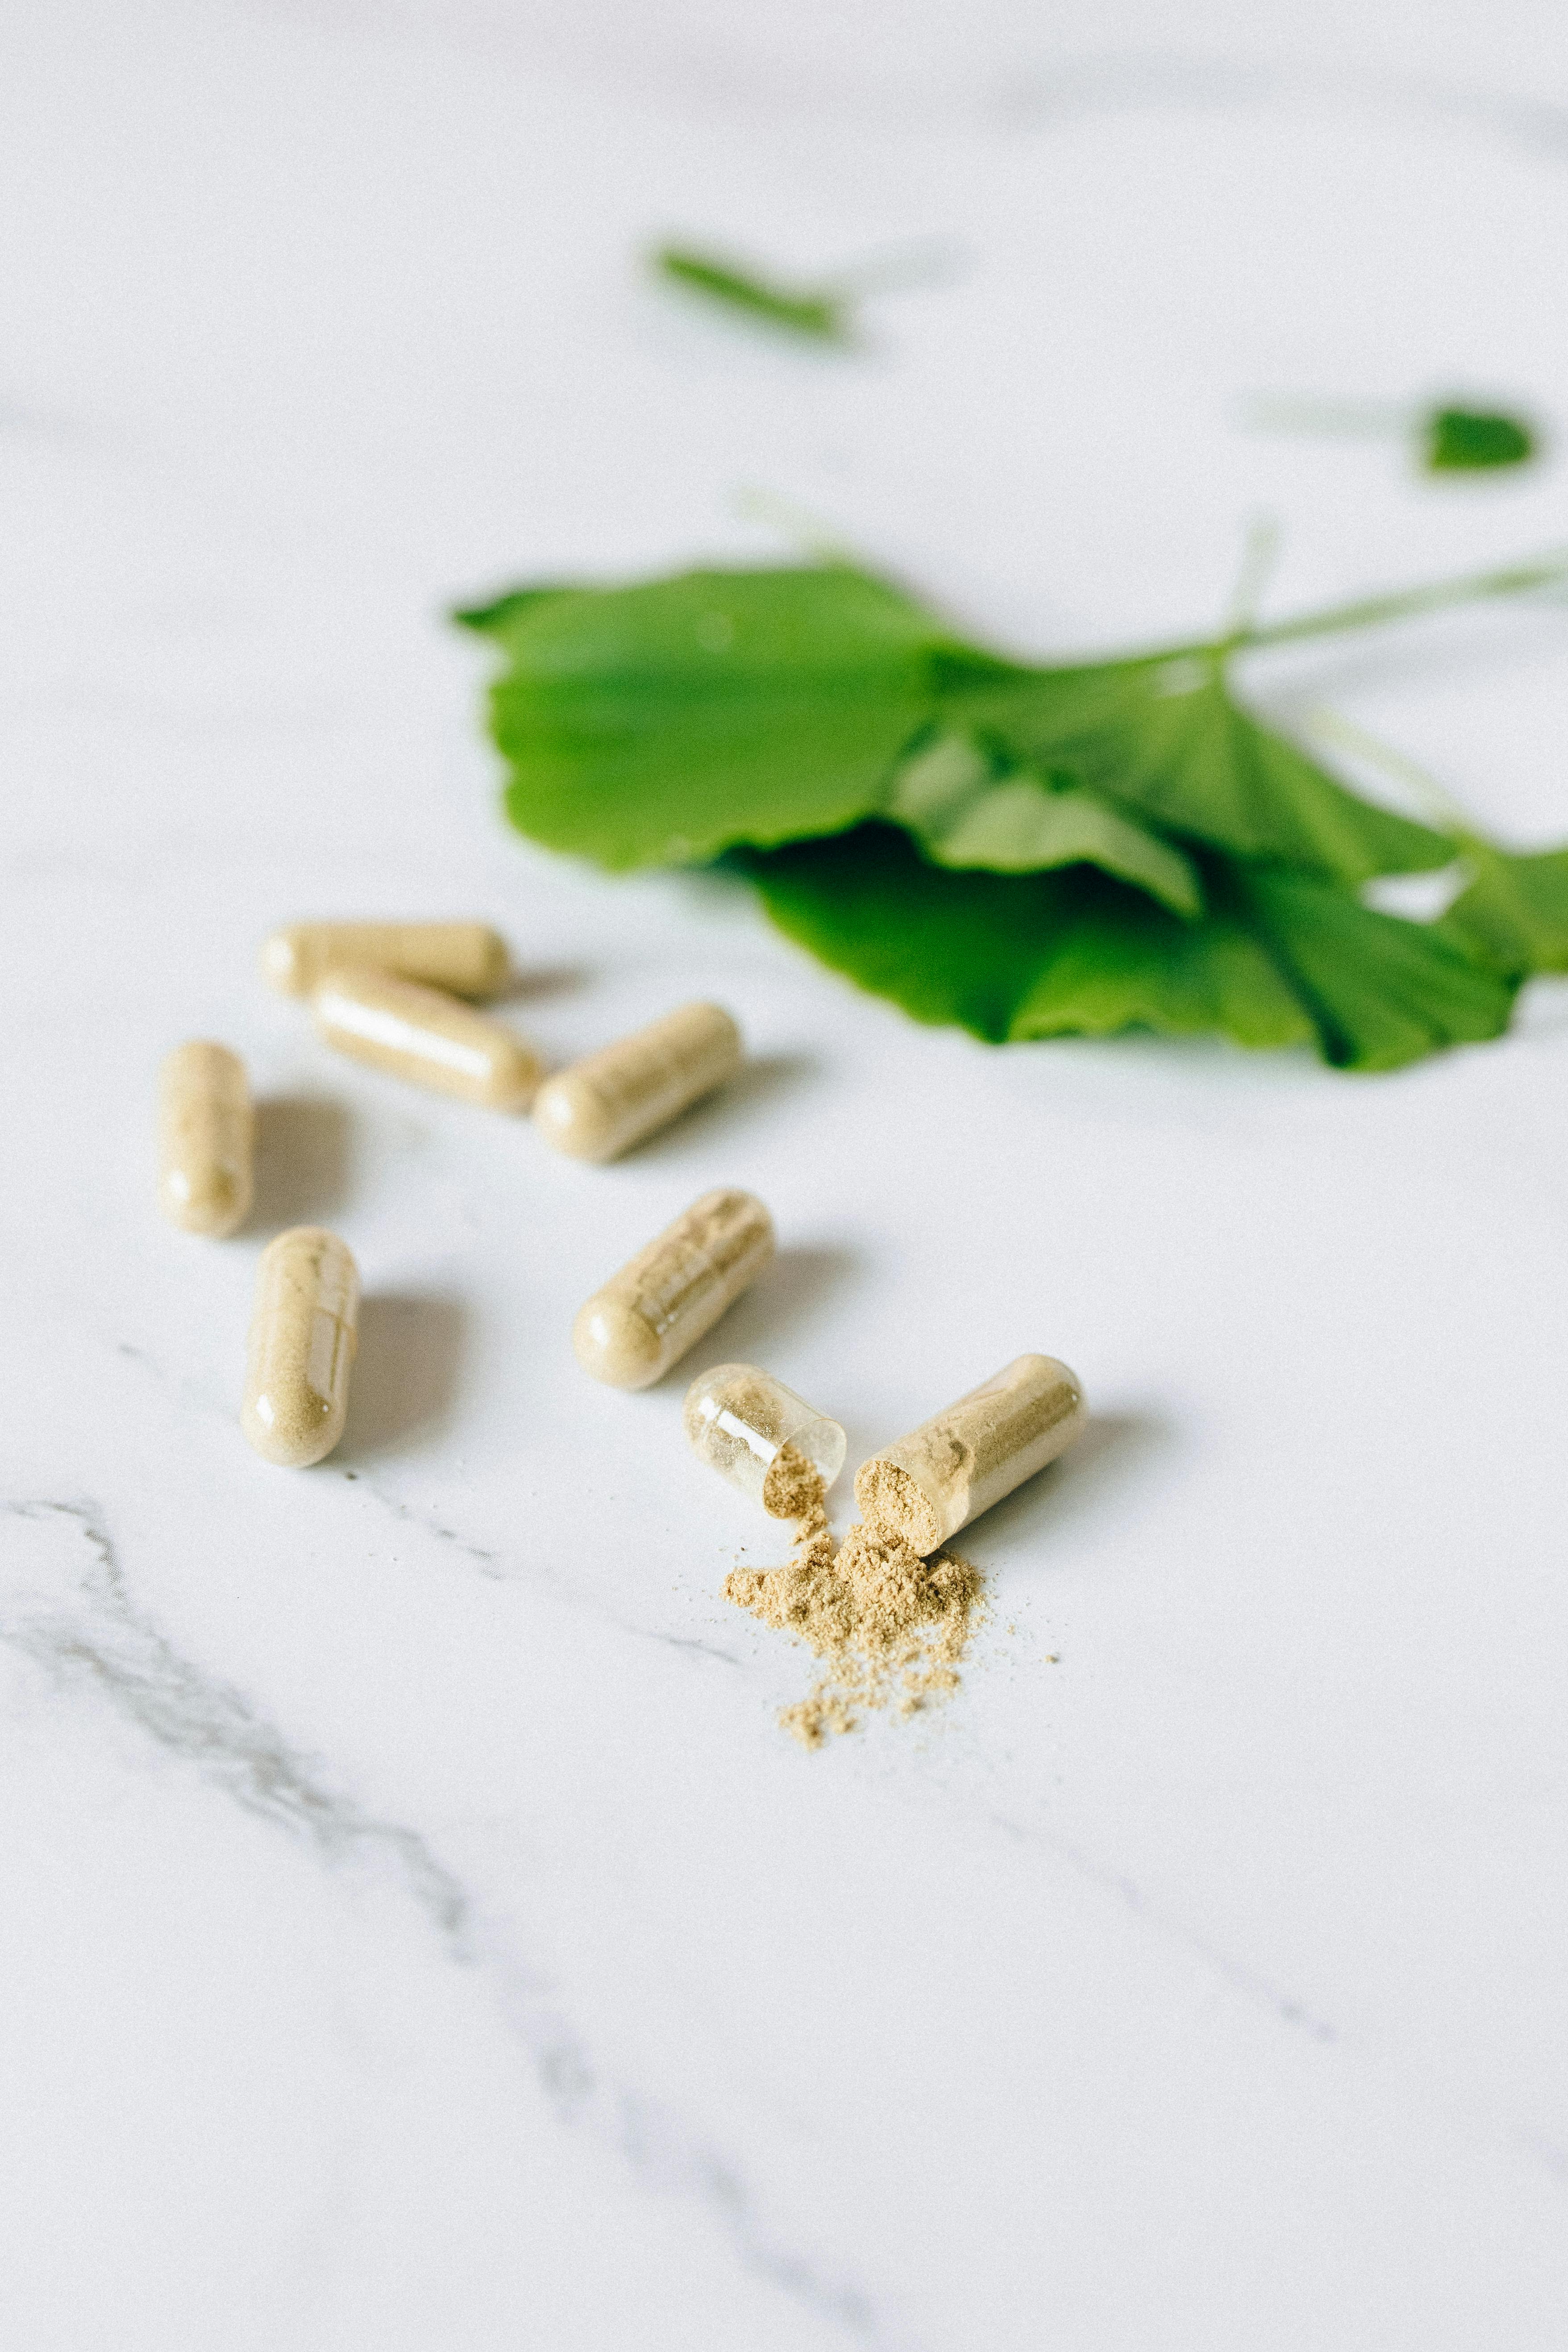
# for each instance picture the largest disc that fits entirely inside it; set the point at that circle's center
(418, 1933)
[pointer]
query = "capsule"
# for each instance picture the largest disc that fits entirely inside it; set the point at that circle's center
(618, 1096)
(303, 1340)
(660, 1304)
(739, 1419)
(465, 958)
(207, 1135)
(429, 1038)
(958, 1464)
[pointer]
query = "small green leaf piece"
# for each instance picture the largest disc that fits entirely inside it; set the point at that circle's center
(1165, 737)
(1471, 440)
(1515, 910)
(824, 317)
(665, 722)
(1381, 992)
(1016, 956)
(965, 813)
(494, 620)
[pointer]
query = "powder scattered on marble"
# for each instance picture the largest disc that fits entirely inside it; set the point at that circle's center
(890, 1627)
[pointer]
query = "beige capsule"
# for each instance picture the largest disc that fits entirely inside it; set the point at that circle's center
(430, 1039)
(959, 1463)
(303, 1340)
(465, 958)
(662, 1301)
(601, 1107)
(206, 1137)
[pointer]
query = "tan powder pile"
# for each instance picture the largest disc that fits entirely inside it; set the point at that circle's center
(890, 1626)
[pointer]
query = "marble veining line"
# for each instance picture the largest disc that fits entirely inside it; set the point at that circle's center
(1255, 1987)
(88, 1634)
(1236, 1973)
(1239, 1976)
(495, 1567)
(489, 1564)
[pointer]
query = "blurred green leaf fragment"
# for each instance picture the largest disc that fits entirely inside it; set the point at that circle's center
(1447, 437)
(817, 312)
(1473, 440)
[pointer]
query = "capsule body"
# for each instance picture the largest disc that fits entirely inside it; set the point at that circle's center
(741, 1421)
(302, 1339)
(959, 1463)
(207, 1133)
(601, 1107)
(662, 1301)
(427, 1037)
(466, 958)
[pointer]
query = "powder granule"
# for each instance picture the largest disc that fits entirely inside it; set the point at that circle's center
(891, 1626)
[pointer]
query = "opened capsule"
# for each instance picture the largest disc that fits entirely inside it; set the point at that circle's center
(746, 1425)
(965, 1458)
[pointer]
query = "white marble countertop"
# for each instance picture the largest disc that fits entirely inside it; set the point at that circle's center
(417, 1935)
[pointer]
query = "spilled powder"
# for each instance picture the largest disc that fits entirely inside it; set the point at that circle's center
(890, 1626)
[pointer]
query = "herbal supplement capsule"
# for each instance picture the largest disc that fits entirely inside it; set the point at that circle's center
(465, 958)
(424, 1036)
(206, 1131)
(739, 1419)
(302, 1337)
(660, 1304)
(958, 1464)
(601, 1107)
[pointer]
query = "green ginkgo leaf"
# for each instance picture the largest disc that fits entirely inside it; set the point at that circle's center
(1028, 851)
(664, 723)
(1381, 992)
(1280, 958)
(1016, 956)
(672, 720)
(1165, 737)
(1514, 912)
(964, 813)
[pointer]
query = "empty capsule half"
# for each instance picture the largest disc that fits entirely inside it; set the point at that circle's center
(959, 1463)
(662, 1301)
(466, 958)
(427, 1037)
(601, 1107)
(746, 1425)
(206, 1130)
(302, 1339)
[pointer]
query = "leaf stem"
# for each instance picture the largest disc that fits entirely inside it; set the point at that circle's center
(1404, 603)
(1366, 419)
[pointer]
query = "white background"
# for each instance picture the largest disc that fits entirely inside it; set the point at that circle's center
(417, 1933)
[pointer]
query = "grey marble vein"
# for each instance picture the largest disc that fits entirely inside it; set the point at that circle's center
(502, 1571)
(86, 1633)
(95, 1638)
(1250, 1981)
